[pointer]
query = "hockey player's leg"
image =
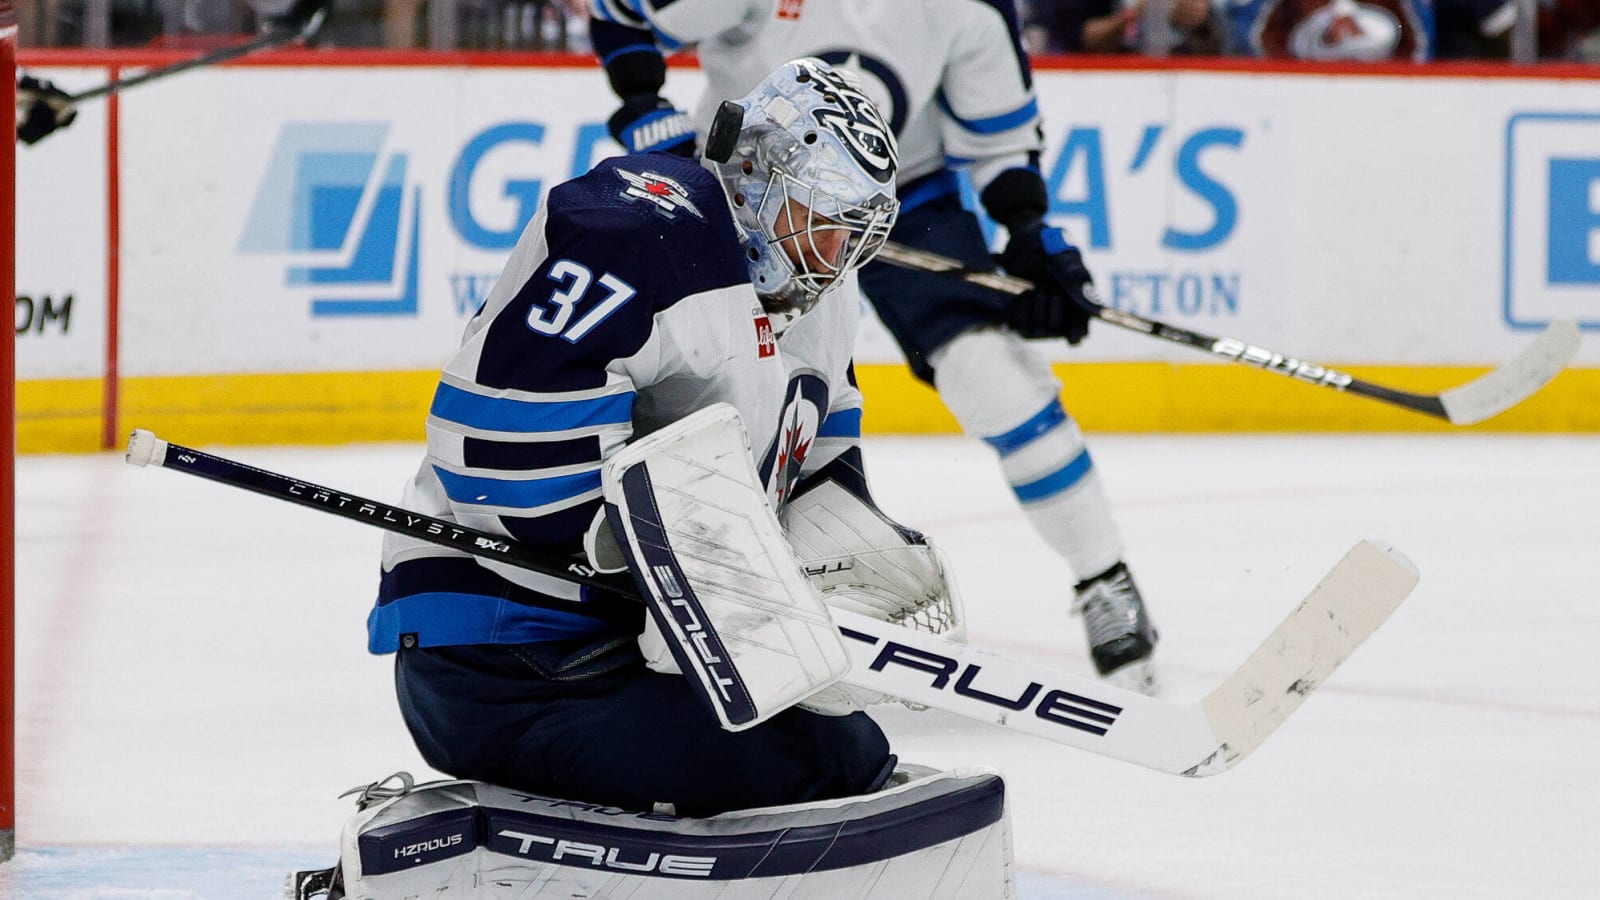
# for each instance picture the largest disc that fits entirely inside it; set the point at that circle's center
(1002, 391)
(530, 718)
(926, 836)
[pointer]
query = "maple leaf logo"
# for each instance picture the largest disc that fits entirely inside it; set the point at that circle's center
(668, 197)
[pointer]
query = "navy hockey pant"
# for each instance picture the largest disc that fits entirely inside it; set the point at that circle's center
(924, 310)
(585, 720)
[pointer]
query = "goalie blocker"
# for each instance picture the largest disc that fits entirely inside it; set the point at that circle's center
(930, 835)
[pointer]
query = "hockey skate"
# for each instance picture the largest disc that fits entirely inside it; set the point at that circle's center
(1121, 639)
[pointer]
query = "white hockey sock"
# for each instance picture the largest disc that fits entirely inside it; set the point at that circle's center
(1001, 391)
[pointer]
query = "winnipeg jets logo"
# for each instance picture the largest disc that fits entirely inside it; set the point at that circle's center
(859, 125)
(794, 445)
(667, 196)
(797, 432)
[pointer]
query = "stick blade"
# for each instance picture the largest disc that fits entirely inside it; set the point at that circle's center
(1343, 609)
(1515, 381)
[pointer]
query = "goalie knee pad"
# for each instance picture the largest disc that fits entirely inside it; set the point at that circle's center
(929, 835)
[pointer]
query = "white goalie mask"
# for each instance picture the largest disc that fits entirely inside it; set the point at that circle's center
(808, 163)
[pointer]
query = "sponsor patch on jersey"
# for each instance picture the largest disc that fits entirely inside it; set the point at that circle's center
(789, 10)
(668, 197)
(766, 341)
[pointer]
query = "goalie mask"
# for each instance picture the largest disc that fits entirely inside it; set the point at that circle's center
(808, 163)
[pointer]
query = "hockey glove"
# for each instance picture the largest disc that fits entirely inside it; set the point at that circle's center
(41, 108)
(649, 124)
(1063, 299)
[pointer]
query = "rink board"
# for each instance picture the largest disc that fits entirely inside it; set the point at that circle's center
(343, 215)
(334, 408)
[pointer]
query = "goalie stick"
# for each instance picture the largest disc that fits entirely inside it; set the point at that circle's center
(1180, 738)
(1467, 404)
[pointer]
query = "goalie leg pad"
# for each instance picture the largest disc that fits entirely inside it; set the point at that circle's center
(929, 836)
(708, 556)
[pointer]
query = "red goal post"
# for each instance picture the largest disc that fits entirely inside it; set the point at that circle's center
(8, 438)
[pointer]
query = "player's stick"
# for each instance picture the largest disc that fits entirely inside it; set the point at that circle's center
(1189, 738)
(1467, 404)
(275, 37)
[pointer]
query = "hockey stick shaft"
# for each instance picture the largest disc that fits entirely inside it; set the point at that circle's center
(1467, 404)
(1191, 739)
(277, 37)
(145, 449)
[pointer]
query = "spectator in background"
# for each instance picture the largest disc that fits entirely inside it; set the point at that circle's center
(1117, 26)
(1481, 29)
(1569, 30)
(1354, 30)
(1473, 29)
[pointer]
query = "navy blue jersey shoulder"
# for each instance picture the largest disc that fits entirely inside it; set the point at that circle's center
(656, 220)
(630, 238)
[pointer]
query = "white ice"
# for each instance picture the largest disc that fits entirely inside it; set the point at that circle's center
(193, 689)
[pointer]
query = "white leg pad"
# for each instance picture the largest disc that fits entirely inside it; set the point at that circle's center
(930, 836)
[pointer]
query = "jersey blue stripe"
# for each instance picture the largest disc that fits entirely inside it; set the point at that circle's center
(528, 416)
(519, 494)
(1057, 481)
(445, 618)
(667, 41)
(631, 48)
(940, 184)
(1042, 421)
(994, 124)
(844, 423)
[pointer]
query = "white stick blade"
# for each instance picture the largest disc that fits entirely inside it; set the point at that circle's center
(1341, 611)
(1515, 381)
(1076, 710)
(145, 449)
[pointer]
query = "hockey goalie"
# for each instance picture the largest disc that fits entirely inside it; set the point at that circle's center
(661, 369)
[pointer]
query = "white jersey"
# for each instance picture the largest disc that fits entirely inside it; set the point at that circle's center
(625, 306)
(949, 75)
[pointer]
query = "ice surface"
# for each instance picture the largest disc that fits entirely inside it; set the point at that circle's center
(193, 689)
